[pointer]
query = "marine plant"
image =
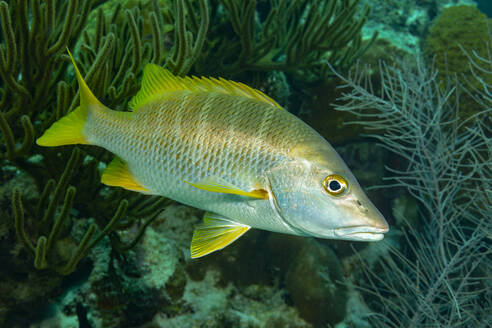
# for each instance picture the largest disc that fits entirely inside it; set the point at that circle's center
(439, 276)
(33, 63)
(297, 37)
(50, 223)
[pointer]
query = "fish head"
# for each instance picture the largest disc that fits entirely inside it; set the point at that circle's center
(323, 199)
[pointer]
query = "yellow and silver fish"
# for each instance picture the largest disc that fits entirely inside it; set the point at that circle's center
(228, 149)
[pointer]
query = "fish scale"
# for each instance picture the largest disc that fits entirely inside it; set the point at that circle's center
(175, 134)
(227, 149)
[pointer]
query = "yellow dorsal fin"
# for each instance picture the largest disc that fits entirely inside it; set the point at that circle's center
(216, 184)
(117, 174)
(216, 232)
(158, 80)
(87, 98)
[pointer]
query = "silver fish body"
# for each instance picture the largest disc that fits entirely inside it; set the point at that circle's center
(227, 149)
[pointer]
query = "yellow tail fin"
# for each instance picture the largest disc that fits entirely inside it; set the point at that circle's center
(69, 129)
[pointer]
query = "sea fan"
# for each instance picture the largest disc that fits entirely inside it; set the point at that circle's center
(439, 275)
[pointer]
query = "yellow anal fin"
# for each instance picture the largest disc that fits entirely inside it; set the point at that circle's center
(117, 174)
(215, 233)
(216, 184)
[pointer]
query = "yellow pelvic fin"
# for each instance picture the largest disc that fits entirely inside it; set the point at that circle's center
(216, 184)
(69, 129)
(117, 174)
(215, 233)
(158, 80)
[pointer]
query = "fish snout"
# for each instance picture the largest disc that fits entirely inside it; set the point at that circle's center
(372, 216)
(365, 224)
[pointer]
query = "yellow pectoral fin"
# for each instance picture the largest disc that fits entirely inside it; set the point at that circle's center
(216, 184)
(117, 174)
(215, 233)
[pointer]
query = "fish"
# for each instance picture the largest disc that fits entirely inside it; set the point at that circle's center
(228, 149)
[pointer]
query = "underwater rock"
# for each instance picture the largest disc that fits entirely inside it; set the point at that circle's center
(357, 311)
(23, 296)
(312, 278)
(209, 304)
(132, 289)
(313, 283)
(149, 287)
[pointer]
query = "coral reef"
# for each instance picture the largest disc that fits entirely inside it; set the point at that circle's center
(76, 253)
(112, 47)
(112, 55)
(150, 287)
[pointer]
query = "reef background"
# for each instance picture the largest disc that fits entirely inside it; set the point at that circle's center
(75, 253)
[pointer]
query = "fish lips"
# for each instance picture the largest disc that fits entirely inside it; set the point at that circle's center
(361, 233)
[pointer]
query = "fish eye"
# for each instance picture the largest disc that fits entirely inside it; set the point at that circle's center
(335, 185)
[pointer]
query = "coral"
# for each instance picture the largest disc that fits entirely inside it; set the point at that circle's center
(438, 275)
(116, 73)
(150, 288)
(49, 224)
(405, 23)
(43, 251)
(30, 69)
(112, 55)
(297, 37)
(457, 30)
(457, 26)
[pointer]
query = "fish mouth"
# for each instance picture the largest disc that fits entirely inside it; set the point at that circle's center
(361, 233)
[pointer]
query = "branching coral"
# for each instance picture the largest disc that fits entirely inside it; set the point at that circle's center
(185, 54)
(293, 36)
(113, 63)
(33, 63)
(49, 223)
(438, 277)
(29, 55)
